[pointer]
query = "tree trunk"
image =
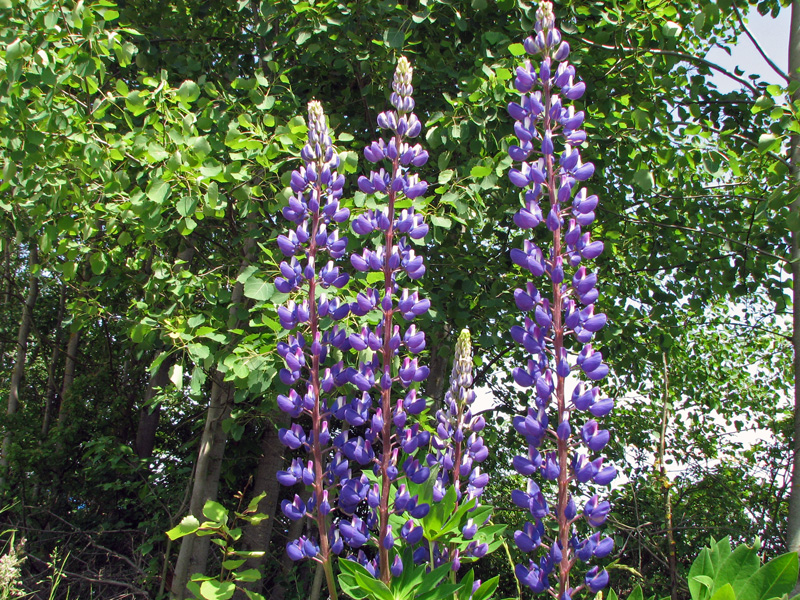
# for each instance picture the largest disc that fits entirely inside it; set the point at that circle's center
(436, 383)
(5, 295)
(193, 555)
(51, 394)
(278, 591)
(793, 526)
(69, 378)
(26, 322)
(209, 468)
(258, 537)
(316, 585)
(150, 413)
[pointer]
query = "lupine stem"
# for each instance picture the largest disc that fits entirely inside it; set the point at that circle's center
(386, 394)
(562, 446)
(390, 260)
(316, 416)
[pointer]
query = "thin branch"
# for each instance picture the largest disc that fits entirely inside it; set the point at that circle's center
(677, 54)
(481, 375)
(702, 232)
(675, 266)
(746, 326)
(738, 136)
(763, 54)
(135, 590)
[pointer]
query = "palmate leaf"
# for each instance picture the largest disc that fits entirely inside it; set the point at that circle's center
(405, 586)
(376, 589)
(431, 581)
(742, 563)
(773, 580)
(357, 582)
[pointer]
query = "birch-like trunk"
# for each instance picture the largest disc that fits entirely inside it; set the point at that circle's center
(278, 590)
(257, 537)
(51, 393)
(150, 414)
(69, 377)
(25, 324)
(193, 555)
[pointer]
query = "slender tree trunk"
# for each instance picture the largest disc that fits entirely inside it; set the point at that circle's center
(672, 558)
(193, 555)
(69, 378)
(278, 591)
(150, 413)
(205, 486)
(5, 295)
(257, 537)
(316, 585)
(436, 382)
(793, 526)
(51, 393)
(26, 322)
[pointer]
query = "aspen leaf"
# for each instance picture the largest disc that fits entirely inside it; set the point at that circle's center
(189, 91)
(188, 525)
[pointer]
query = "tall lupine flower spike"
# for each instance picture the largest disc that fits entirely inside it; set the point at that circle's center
(458, 447)
(558, 329)
(315, 211)
(389, 429)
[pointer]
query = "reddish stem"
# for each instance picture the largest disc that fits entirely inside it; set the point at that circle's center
(386, 394)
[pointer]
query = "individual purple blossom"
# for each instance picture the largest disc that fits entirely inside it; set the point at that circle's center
(311, 250)
(558, 329)
(390, 439)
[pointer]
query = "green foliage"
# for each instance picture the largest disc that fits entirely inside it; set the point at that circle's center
(444, 522)
(414, 583)
(720, 573)
(225, 532)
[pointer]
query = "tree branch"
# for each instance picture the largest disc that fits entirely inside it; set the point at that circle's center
(677, 54)
(763, 54)
(702, 232)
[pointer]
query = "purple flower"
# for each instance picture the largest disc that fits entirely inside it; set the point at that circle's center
(312, 247)
(382, 341)
(560, 319)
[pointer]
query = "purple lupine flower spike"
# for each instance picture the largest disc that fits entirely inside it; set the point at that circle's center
(311, 250)
(457, 448)
(561, 325)
(457, 443)
(390, 431)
